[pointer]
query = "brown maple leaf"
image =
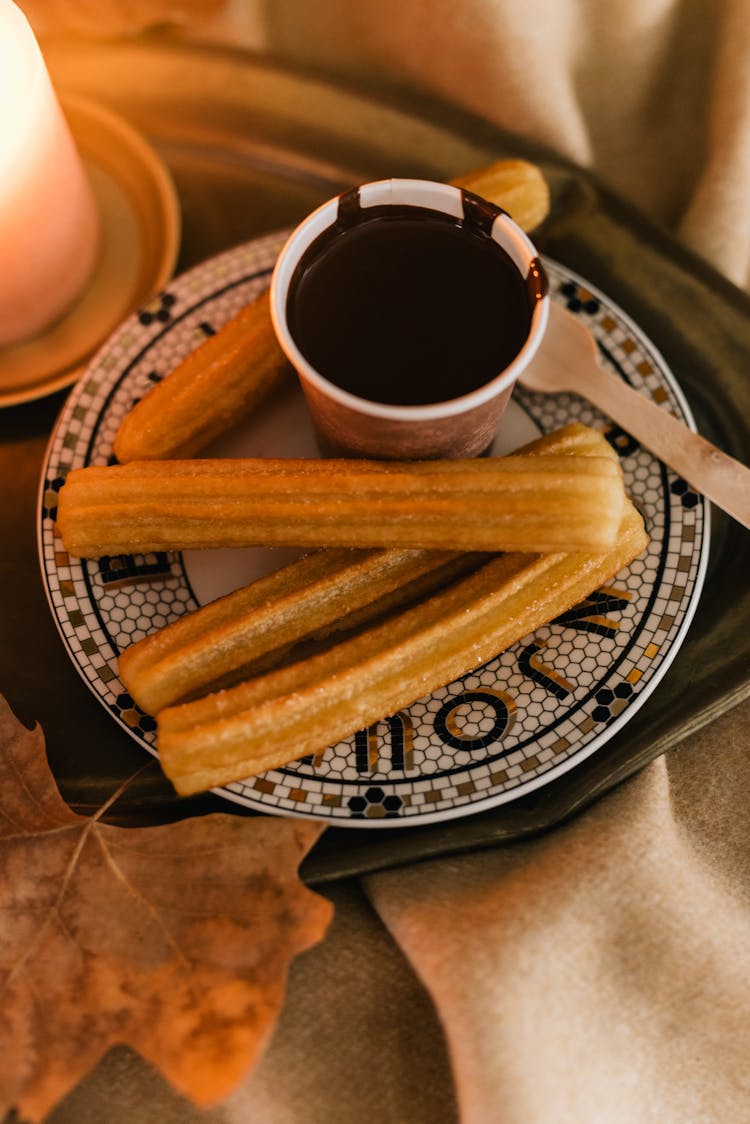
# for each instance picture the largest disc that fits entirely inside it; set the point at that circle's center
(174, 940)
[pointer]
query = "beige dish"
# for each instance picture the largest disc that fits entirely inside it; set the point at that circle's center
(140, 242)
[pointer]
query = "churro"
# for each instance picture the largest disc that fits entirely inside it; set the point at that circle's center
(252, 628)
(515, 185)
(305, 707)
(523, 503)
(226, 377)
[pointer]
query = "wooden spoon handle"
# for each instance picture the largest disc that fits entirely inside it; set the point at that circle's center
(718, 476)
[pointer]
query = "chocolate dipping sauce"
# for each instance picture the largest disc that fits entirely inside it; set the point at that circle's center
(408, 306)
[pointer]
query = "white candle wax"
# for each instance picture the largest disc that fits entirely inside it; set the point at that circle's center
(49, 225)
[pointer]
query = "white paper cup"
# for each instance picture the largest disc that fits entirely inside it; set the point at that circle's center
(465, 426)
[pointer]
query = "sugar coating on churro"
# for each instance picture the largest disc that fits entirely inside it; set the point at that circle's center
(224, 378)
(252, 628)
(520, 502)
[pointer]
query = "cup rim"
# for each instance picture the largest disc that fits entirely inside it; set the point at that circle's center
(320, 220)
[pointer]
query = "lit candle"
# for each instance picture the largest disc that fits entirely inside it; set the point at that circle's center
(49, 225)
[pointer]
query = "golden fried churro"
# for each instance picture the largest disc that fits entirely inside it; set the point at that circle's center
(224, 378)
(515, 185)
(574, 439)
(525, 503)
(305, 707)
(251, 629)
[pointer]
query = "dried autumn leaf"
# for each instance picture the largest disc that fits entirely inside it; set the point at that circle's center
(174, 940)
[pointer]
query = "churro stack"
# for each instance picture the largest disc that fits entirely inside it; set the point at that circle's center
(415, 617)
(315, 703)
(254, 628)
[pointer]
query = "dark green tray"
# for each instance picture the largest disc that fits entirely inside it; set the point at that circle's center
(253, 147)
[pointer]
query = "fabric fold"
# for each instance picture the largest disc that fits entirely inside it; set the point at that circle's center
(600, 973)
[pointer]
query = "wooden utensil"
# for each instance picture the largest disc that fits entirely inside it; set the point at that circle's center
(567, 360)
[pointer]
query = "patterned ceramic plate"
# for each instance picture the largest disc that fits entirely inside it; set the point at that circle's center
(515, 724)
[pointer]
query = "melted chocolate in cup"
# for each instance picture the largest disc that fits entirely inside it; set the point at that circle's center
(402, 316)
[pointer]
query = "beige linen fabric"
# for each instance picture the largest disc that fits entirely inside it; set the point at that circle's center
(653, 94)
(602, 973)
(599, 974)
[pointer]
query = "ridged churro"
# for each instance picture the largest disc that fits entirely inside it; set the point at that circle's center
(515, 185)
(226, 377)
(307, 706)
(522, 502)
(252, 629)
